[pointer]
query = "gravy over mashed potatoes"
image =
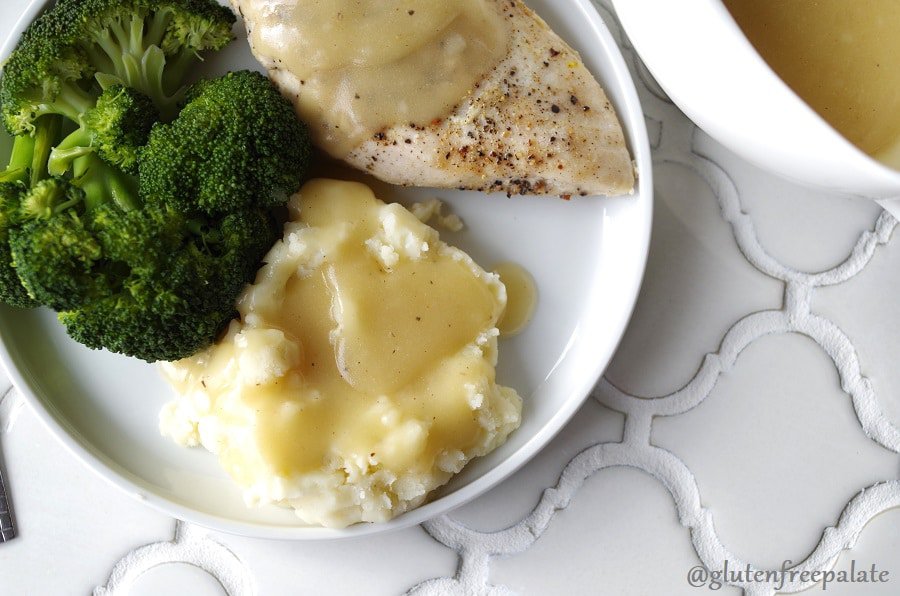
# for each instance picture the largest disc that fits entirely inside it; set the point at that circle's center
(360, 375)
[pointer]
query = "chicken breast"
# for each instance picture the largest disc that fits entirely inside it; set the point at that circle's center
(536, 122)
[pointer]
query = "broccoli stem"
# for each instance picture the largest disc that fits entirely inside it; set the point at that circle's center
(114, 52)
(146, 77)
(119, 62)
(130, 57)
(22, 151)
(72, 102)
(156, 28)
(136, 40)
(77, 144)
(177, 68)
(99, 60)
(46, 134)
(61, 207)
(154, 68)
(102, 183)
(61, 159)
(19, 160)
(31, 151)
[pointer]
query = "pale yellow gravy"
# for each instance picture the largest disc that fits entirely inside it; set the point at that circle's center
(521, 298)
(365, 65)
(351, 348)
(841, 56)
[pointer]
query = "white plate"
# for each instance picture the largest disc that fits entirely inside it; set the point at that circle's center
(588, 258)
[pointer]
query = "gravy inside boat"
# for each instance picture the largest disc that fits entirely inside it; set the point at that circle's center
(842, 58)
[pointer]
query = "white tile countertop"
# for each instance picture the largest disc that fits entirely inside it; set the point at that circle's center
(767, 331)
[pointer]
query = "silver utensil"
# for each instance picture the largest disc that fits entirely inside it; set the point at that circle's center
(7, 529)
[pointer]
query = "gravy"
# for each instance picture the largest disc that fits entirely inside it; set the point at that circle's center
(841, 57)
(366, 65)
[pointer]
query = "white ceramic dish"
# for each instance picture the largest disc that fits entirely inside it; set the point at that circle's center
(706, 65)
(587, 255)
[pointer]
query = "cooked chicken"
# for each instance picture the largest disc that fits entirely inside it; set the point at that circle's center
(535, 123)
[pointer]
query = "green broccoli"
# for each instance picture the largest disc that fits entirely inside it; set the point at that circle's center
(69, 54)
(27, 167)
(148, 45)
(42, 76)
(54, 252)
(236, 142)
(177, 306)
(114, 129)
(30, 152)
(149, 281)
(135, 259)
(12, 291)
(20, 159)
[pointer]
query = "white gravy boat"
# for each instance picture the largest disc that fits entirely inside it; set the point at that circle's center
(706, 65)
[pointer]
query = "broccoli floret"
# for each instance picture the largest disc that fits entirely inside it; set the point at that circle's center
(149, 281)
(47, 198)
(180, 296)
(236, 142)
(12, 291)
(27, 169)
(102, 182)
(44, 75)
(54, 253)
(57, 245)
(69, 54)
(148, 45)
(145, 323)
(154, 271)
(114, 129)
(101, 152)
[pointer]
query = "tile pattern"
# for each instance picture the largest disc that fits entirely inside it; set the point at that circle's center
(191, 545)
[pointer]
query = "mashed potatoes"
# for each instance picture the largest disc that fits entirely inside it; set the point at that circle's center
(360, 375)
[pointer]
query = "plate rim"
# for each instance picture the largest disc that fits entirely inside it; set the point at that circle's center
(634, 126)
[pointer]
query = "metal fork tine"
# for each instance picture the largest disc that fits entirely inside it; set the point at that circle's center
(7, 527)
